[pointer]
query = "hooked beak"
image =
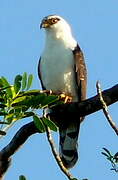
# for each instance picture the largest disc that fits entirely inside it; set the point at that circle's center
(44, 24)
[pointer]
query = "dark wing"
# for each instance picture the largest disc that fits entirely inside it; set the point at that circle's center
(39, 74)
(69, 134)
(81, 73)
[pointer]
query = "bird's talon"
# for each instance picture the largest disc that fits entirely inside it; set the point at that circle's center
(65, 98)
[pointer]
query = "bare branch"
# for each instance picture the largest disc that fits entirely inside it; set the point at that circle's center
(105, 109)
(56, 155)
(84, 108)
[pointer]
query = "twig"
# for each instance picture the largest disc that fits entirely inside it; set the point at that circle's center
(83, 108)
(105, 108)
(56, 155)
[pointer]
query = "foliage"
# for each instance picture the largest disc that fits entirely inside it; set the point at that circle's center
(18, 102)
(22, 177)
(112, 158)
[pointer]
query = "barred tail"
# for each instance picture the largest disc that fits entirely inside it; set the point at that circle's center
(68, 144)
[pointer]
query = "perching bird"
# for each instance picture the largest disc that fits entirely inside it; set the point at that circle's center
(62, 69)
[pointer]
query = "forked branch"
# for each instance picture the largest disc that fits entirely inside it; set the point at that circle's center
(84, 108)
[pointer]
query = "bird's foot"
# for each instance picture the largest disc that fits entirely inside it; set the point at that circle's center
(62, 96)
(65, 98)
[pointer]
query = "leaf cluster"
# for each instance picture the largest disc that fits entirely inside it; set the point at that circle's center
(22, 177)
(112, 158)
(8, 93)
(17, 101)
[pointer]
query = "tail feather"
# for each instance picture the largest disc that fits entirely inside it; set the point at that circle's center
(68, 144)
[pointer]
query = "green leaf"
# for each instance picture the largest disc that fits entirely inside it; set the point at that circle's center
(7, 85)
(16, 110)
(2, 105)
(116, 157)
(22, 177)
(107, 151)
(19, 100)
(3, 133)
(32, 92)
(105, 154)
(1, 83)
(28, 114)
(38, 123)
(13, 91)
(50, 124)
(24, 108)
(24, 80)
(29, 83)
(9, 117)
(17, 83)
(48, 100)
(3, 113)
(1, 99)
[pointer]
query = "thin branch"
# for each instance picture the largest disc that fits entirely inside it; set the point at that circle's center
(105, 109)
(56, 155)
(84, 108)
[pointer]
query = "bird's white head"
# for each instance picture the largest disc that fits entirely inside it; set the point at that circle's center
(57, 28)
(54, 23)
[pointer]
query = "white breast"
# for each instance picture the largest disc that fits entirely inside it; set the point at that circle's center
(57, 69)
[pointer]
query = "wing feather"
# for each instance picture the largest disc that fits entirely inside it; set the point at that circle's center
(39, 74)
(80, 72)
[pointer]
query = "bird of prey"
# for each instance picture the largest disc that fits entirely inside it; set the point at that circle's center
(62, 69)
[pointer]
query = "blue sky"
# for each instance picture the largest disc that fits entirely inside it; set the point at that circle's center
(95, 26)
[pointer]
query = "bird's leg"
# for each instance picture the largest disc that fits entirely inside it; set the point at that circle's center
(65, 98)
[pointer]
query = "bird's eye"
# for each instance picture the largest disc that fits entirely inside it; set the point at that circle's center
(54, 20)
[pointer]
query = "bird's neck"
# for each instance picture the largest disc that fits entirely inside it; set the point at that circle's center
(61, 37)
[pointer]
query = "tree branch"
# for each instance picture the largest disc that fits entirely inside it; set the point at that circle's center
(86, 107)
(105, 109)
(83, 108)
(56, 155)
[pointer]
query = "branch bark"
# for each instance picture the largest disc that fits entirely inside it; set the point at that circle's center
(90, 105)
(83, 108)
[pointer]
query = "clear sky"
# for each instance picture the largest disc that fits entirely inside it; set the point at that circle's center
(95, 26)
